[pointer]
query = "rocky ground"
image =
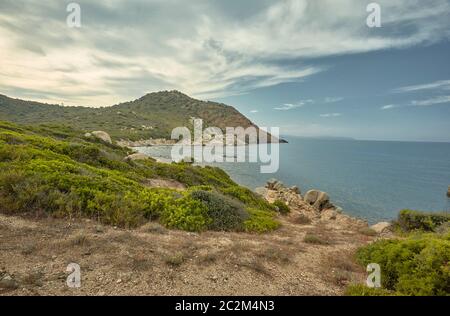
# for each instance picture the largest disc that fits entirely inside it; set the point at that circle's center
(311, 254)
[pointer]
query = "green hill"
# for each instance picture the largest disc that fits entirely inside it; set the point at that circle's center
(56, 171)
(152, 116)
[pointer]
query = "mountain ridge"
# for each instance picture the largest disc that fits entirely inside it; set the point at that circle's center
(151, 116)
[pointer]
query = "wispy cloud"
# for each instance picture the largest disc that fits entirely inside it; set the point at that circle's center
(333, 99)
(331, 115)
(425, 102)
(254, 111)
(207, 49)
(288, 106)
(432, 101)
(441, 85)
(291, 106)
(389, 107)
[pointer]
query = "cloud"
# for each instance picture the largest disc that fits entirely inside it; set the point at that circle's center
(389, 107)
(432, 101)
(426, 102)
(331, 115)
(291, 106)
(442, 85)
(254, 111)
(333, 99)
(288, 106)
(208, 49)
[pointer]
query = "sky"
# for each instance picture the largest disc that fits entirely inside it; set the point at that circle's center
(312, 68)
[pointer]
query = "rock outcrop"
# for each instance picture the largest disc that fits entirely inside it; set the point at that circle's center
(448, 191)
(381, 227)
(315, 206)
(319, 200)
(137, 156)
(147, 142)
(104, 136)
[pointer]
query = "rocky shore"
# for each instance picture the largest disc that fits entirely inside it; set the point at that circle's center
(316, 206)
(147, 142)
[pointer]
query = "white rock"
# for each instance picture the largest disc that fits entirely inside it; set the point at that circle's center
(381, 227)
(104, 136)
(137, 156)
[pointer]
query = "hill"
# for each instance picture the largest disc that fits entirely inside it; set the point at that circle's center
(151, 116)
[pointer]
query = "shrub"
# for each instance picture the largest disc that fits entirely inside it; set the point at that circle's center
(281, 207)
(225, 214)
(248, 197)
(412, 220)
(186, 214)
(418, 265)
(313, 239)
(362, 290)
(260, 221)
(174, 260)
(301, 219)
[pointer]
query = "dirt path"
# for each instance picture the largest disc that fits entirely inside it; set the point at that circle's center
(155, 261)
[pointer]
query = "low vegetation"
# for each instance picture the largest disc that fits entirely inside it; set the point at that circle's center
(413, 220)
(415, 264)
(281, 207)
(310, 238)
(55, 171)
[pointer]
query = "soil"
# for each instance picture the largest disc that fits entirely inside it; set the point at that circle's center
(151, 260)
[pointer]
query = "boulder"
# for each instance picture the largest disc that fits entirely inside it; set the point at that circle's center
(261, 191)
(104, 136)
(329, 214)
(274, 184)
(7, 282)
(318, 199)
(278, 186)
(381, 227)
(137, 156)
(295, 189)
(88, 135)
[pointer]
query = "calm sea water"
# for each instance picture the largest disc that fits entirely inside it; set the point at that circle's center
(368, 179)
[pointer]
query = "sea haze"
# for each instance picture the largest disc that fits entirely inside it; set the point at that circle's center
(368, 179)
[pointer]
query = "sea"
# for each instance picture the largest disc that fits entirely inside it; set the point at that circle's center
(372, 180)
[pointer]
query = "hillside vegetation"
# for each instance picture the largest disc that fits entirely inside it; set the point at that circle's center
(152, 116)
(55, 171)
(417, 262)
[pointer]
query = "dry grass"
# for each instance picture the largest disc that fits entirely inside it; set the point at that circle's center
(174, 260)
(80, 240)
(340, 268)
(153, 228)
(301, 219)
(140, 262)
(33, 279)
(310, 238)
(367, 231)
(209, 258)
(256, 266)
(28, 249)
(276, 254)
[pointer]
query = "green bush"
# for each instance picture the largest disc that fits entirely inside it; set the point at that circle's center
(186, 214)
(260, 221)
(247, 197)
(281, 207)
(418, 265)
(225, 214)
(413, 220)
